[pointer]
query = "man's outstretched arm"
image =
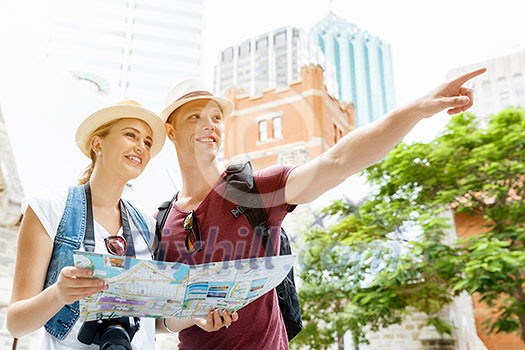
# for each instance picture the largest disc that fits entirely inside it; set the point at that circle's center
(367, 145)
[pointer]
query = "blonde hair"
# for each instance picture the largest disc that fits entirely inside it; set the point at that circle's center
(101, 131)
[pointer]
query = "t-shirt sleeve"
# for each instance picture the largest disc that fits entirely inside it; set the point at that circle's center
(48, 206)
(271, 183)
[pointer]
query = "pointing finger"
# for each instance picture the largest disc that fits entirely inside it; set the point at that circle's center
(462, 79)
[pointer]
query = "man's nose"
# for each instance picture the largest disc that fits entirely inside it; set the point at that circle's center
(208, 124)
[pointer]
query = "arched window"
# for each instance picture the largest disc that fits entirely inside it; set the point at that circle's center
(277, 125)
(503, 91)
(518, 85)
(485, 87)
(263, 130)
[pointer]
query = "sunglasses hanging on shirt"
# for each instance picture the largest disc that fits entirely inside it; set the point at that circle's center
(193, 239)
(116, 245)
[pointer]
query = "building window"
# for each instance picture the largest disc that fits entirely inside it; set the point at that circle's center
(261, 44)
(502, 84)
(520, 91)
(227, 55)
(519, 86)
(244, 50)
(280, 39)
(504, 99)
(263, 130)
(485, 87)
(277, 125)
(503, 92)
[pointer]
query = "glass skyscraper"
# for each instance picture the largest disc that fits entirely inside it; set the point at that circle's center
(363, 65)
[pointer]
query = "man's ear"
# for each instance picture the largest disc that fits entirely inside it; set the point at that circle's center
(170, 131)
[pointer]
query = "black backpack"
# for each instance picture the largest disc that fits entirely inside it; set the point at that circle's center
(242, 190)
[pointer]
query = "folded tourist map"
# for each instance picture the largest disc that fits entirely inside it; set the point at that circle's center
(146, 288)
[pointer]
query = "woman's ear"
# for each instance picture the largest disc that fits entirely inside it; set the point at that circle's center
(170, 131)
(96, 145)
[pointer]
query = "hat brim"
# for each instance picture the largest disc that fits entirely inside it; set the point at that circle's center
(108, 114)
(225, 105)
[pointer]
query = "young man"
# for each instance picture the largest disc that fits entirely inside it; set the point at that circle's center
(195, 124)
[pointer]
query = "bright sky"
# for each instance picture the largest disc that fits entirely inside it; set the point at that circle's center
(427, 38)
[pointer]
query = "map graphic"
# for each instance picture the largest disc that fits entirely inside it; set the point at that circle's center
(146, 288)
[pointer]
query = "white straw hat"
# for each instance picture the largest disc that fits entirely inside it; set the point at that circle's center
(123, 109)
(190, 90)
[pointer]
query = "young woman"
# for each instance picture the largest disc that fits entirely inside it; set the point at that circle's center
(120, 140)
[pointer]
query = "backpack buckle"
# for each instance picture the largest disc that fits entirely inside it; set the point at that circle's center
(238, 211)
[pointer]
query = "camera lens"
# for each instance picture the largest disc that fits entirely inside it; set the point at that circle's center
(115, 337)
(110, 334)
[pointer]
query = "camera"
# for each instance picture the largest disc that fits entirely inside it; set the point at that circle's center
(110, 334)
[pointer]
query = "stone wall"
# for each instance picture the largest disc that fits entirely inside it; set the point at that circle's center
(10, 198)
(412, 334)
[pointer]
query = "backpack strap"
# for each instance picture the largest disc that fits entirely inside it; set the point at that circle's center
(242, 189)
(259, 221)
(162, 215)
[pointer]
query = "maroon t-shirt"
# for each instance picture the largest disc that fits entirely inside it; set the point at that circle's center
(226, 237)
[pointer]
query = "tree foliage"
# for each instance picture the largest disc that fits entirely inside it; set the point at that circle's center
(391, 255)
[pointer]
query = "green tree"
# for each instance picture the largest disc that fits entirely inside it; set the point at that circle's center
(389, 257)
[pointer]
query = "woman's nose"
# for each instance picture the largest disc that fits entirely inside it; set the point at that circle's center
(140, 147)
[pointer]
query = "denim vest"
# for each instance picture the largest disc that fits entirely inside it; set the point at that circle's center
(69, 237)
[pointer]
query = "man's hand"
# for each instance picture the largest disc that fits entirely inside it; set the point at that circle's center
(451, 95)
(216, 319)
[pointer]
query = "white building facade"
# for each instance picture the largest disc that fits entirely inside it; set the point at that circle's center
(270, 60)
(128, 48)
(502, 86)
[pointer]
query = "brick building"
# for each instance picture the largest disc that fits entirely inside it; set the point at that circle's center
(468, 226)
(292, 124)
